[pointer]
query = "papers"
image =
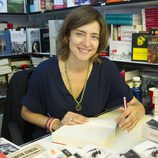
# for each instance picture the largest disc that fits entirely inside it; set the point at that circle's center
(98, 131)
(91, 151)
(29, 152)
(7, 147)
(147, 149)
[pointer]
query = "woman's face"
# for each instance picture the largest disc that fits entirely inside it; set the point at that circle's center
(84, 41)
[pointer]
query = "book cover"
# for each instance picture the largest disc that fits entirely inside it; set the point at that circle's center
(94, 2)
(72, 3)
(28, 152)
(4, 61)
(49, 5)
(5, 43)
(34, 6)
(3, 6)
(15, 6)
(97, 131)
(54, 27)
(58, 4)
(120, 50)
(153, 49)
(139, 46)
(18, 41)
(123, 22)
(123, 16)
(6, 69)
(33, 40)
(7, 147)
(153, 31)
(44, 40)
(127, 31)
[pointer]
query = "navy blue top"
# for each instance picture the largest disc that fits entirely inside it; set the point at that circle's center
(47, 92)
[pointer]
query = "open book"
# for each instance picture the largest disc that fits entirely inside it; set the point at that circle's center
(97, 131)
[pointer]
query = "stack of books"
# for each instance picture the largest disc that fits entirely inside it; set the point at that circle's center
(149, 18)
(5, 68)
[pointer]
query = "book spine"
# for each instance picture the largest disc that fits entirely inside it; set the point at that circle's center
(41, 5)
(122, 16)
(118, 16)
(151, 15)
(123, 22)
(150, 10)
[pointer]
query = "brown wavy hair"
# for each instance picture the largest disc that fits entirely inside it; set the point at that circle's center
(76, 18)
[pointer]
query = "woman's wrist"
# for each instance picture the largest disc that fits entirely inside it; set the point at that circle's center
(48, 122)
(55, 124)
(52, 124)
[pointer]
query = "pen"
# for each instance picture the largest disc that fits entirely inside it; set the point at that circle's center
(125, 102)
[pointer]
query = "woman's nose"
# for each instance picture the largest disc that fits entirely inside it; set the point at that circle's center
(87, 41)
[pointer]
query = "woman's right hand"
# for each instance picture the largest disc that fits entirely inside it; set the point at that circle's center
(72, 118)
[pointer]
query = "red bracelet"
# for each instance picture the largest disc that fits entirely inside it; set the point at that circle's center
(48, 122)
(51, 124)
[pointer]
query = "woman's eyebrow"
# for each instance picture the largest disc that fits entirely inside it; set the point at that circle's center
(94, 33)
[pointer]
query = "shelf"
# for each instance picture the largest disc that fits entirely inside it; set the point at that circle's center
(130, 7)
(136, 64)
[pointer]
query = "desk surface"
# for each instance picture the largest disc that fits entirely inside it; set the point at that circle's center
(122, 142)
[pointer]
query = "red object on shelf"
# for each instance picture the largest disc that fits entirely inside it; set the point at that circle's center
(122, 73)
(10, 25)
(103, 54)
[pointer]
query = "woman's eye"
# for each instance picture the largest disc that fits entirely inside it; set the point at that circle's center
(95, 37)
(79, 34)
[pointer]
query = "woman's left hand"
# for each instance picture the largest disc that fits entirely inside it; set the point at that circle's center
(72, 118)
(129, 117)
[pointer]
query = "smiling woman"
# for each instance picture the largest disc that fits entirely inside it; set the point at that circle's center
(78, 83)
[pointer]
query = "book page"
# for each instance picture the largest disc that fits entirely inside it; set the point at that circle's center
(102, 122)
(97, 131)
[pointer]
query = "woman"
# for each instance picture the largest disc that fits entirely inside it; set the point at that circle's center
(78, 84)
